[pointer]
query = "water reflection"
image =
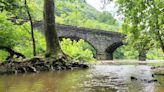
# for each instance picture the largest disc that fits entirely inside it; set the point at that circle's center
(43, 82)
(100, 78)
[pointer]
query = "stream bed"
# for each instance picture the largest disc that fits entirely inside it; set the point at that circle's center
(98, 78)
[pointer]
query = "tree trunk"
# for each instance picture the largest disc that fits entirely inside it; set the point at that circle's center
(160, 40)
(32, 29)
(142, 55)
(53, 48)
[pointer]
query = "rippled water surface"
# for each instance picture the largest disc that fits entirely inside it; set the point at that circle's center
(99, 78)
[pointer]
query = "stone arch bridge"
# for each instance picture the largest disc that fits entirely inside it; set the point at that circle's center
(104, 42)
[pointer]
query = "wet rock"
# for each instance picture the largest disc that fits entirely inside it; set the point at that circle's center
(150, 81)
(152, 75)
(154, 80)
(133, 78)
(83, 66)
(80, 65)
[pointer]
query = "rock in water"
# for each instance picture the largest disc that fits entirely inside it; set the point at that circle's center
(133, 78)
(84, 66)
(154, 80)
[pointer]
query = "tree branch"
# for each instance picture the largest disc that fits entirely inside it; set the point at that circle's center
(11, 52)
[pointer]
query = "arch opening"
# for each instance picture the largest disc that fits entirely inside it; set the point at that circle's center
(110, 50)
(78, 47)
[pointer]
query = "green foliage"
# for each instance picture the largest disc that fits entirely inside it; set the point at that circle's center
(125, 52)
(19, 38)
(155, 54)
(143, 23)
(8, 5)
(81, 14)
(156, 64)
(8, 34)
(25, 44)
(36, 9)
(140, 26)
(107, 18)
(3, 55)
(128, 52)
(76, 13)
(78, 50)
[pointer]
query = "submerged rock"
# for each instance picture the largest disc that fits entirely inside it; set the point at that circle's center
(152, 75)
(154, 80)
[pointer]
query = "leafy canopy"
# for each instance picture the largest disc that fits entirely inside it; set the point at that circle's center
(143, 22)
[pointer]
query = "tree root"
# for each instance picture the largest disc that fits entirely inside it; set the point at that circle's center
(38, 64)
(11, 52)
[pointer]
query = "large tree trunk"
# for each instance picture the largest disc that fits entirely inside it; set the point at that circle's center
(53, 48)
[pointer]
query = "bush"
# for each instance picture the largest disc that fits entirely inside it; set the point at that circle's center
(78, 50)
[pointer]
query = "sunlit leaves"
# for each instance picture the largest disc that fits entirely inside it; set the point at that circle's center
(7, 31)
(8, 5)
(142, 19)
(78, 50)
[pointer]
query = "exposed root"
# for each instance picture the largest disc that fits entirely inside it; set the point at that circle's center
(37, 64)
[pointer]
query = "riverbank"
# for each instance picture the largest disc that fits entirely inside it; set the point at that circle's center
(36, 65)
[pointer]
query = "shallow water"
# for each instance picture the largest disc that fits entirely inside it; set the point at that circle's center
(99, 78)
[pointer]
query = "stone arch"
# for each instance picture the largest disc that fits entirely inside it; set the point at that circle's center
(100, 40)
(78, 38)
(110, 49)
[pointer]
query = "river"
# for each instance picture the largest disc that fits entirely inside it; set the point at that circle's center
(99, 78)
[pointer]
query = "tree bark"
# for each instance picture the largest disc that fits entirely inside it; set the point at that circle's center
(53, 48)
(32, 30)
(142, 55)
